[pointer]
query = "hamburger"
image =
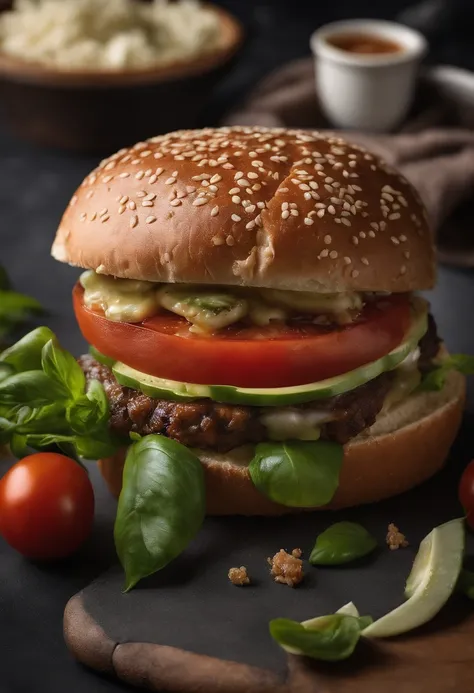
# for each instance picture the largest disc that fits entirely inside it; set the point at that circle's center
(253, 295)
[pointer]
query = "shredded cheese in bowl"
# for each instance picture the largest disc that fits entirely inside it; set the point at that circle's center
(108, 34)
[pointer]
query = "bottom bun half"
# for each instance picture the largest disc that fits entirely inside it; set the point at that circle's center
(404, 447)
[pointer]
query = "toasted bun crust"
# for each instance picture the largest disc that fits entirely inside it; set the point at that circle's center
(402, 449)
(286, 209)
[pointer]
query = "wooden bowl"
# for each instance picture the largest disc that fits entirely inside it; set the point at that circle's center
(101, 111)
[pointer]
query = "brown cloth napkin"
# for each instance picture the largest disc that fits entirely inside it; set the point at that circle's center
(434, 148)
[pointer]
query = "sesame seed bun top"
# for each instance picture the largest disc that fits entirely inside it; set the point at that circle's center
(288, 209)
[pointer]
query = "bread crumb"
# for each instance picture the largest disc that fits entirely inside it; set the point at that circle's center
(287, 568)
(395, 539)
(238, 576)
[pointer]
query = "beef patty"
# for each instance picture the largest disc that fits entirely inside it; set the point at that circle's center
(208, 424)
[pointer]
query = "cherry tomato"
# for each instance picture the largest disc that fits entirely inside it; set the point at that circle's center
(466, 493)
(46, 506)
(247, 356)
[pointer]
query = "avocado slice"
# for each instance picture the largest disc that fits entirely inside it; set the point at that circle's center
(273, 397)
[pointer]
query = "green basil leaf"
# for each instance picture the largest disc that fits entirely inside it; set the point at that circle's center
(4, 279)
(5, 371)
(25, 355)
(341, 543)
(328, 638)
(33, 388)
(7, 429)
(299, 474)
(96, 448)
(90, 412)
(465, 584)
(62, 367)
(15, 305)
(436, 378)
(161, 506)
(18, 446)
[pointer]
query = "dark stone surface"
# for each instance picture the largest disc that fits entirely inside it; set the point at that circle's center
(35, 187)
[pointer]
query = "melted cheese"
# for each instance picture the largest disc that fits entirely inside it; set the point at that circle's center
(294, 424)
(122, 300)
(209, 310)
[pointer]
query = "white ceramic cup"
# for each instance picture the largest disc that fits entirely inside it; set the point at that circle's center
(370, 92)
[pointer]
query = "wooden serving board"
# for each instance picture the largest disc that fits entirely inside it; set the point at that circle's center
(188, 630)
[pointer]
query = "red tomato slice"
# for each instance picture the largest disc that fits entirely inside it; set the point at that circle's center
(247, 356)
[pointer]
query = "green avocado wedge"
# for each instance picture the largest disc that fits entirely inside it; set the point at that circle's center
(273, 397)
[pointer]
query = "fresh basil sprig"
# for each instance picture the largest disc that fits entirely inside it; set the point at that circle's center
(299, 474)
(45, 401)
(465, 584)
(161, 507)
(341, 543)
(15, 308)
(435, 379)
(328, 638)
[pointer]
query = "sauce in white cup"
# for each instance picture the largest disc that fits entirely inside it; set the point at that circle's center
(366, 72)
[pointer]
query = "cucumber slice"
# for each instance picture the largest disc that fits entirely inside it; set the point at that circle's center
(272, 397)
(431, 582)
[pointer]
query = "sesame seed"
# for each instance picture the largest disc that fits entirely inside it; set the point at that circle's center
(234, 191)
(94, 216)
(121, 209)
(403, 269)
(364, 261)
(235, 217)
(239, 175)
(133, 221)
(151, 196)
(103, 212)
(230, 240)
(214, 211)
(333, 254)
(402, 238)
(347, 260)
(362, 234)
(324, 252)
(153, 179)
(329, 188)
(308, 221)
(383, 225)
(304, 186)
(123, 200)
(285, 214)
(158, 155)
(150, 220)
(107, 179)
(252, 175)
(331, 209)
(218, 240)
(354, 274)
(213, 188)
(345, 221)
(321, 213)
(394, 240)
(236, 199)
(170, 180)
(125, 174)
(355, 240)
(83, 216)
(140, 175)
(294, 213)
(407, 254)
(250, 225)
(228, 165)
(250, 209)
(199, 201)
(256, 187)
(372, 233)
(190, 189)
(308, 196)
(327, 239)
(243, 182)
(283, 190)
(141, 193)
(216, 178)
(173, 203)
(374, 225)
(313, 185)
(147, 203)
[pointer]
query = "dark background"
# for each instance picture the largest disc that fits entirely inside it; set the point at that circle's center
(35, 186)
